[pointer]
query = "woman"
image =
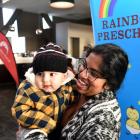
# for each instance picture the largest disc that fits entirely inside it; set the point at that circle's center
(96, 115)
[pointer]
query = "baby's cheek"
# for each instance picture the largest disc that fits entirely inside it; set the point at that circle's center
(39, 85)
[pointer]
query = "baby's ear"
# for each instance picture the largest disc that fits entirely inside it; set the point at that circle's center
(69, 75)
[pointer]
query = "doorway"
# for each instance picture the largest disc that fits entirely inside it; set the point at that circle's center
(75, 42)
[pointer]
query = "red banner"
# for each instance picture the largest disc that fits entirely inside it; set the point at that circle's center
(7, 56)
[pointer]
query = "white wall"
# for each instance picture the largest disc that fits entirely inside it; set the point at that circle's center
(62, 34)
(66, 30)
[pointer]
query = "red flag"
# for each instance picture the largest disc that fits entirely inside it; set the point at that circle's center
(7, 56)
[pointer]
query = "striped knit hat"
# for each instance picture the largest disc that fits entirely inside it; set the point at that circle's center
(50, 58)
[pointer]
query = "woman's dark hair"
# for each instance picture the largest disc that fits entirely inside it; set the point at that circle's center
(114, 63)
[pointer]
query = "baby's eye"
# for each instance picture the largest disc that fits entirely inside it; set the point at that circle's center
(52, 74)
(39, 74)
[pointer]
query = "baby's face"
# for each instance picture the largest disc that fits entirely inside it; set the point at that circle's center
(49, 81)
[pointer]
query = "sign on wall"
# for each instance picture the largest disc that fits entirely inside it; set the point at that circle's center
(6, 55)
(118, 21)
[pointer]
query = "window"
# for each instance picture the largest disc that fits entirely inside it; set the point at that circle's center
(17, 43)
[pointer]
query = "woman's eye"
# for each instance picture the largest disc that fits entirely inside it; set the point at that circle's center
(94, 73)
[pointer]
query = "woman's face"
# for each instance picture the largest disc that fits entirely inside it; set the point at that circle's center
(90, 81)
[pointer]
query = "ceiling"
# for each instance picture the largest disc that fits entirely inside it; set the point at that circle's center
(81, 10)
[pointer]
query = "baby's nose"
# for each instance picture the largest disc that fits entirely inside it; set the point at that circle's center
(46, 78)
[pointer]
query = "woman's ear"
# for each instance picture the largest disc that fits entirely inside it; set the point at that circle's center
(106, 86)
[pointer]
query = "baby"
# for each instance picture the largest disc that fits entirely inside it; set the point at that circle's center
(41, 100)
